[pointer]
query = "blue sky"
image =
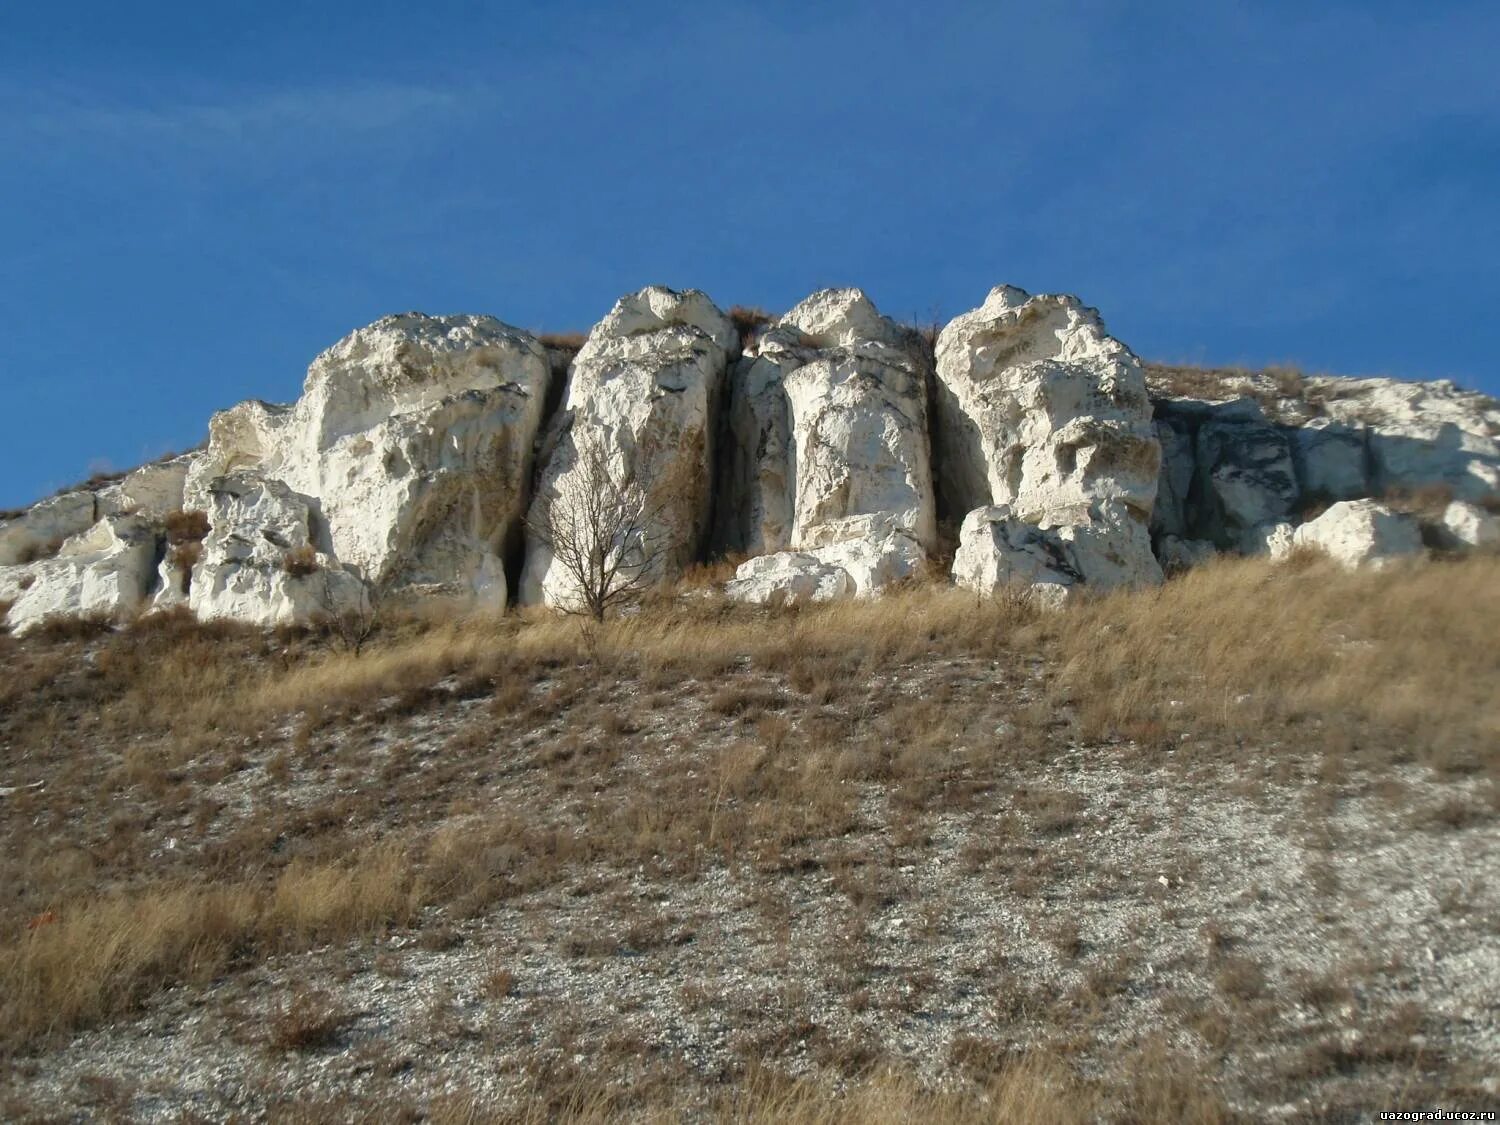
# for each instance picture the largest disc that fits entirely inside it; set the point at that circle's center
(199, 197)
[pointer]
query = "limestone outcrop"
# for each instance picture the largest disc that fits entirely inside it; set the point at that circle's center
(835, 447)
(413, 440)
(1245, 455)
(260, 564)
(829, 450)
(1042, 412)
(645, 391)
(104, 571)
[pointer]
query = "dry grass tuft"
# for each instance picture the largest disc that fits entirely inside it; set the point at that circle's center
(102, 956)
(308, 1021)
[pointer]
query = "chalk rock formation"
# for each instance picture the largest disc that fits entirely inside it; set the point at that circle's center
(1419, 434)
(829, 450)
(1240, 463)
(413, 440)
(1038, 407)
(1044, 413)
(1246, 478)
(105, 571)
(644, 390)
(42, 528)
(152, 490)
(259, 562)
(1361, 533)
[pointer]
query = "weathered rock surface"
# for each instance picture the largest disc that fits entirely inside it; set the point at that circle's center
(413, 440)
(1346, 439)
(789, 578)
(1331, 461)
(260, 564)
(104, 571)
(645, 388)
(997, 552)
(41, 529)
(1419, 434)
(1245, 476)
(152, 490)
(829, 450)
(1469, 525)
(854, 557)
(1039, 408)
(1361, 533)
(1042, 412)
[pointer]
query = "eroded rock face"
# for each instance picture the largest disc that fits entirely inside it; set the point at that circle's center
(1419, 434)
(856, 557)
(1361, 533)
(260, 563)
(104, 571)
(789, 578)
(828, 421)
(1039, 408)
(645, 388)
(413, 437)
(1245, 476)
(41, 529)
(1042, 412)
(829, 453)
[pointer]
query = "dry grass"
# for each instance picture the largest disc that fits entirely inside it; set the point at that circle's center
(502, 757)
(569, 342)
(99, 957)
(749, 322)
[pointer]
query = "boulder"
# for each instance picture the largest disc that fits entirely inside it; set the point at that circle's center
(104, 571)
(1361, 533)
(1039, 407)
(997, 552)
(1469, 525)
(644, 391)
(413, 440)
(857, 557)
(1245, 477)
(260, 563)
(1105, 545)
(789, 578)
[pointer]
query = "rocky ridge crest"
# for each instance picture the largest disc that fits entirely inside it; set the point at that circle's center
(839, 450)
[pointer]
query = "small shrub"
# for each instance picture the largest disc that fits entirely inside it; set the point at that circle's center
(26, 582)
(749, 321)
(571, 342)
(300, 562)
(189, 526)
(308, 1022)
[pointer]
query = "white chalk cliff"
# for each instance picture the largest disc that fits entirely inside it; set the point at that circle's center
(838, 450)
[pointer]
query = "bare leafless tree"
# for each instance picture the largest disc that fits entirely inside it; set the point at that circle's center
(606, 521)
